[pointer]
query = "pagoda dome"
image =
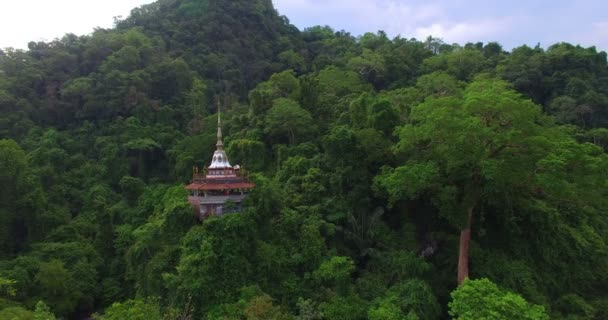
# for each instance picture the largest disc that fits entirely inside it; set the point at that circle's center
(219, 160)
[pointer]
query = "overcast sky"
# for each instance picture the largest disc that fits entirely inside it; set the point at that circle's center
(511, 23)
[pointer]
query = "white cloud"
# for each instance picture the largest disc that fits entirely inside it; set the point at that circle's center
(461, 32)
(391, 16)
(599, 36)
(22, 21)
(395, 17)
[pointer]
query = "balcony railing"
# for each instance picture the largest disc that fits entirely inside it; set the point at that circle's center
(221, 199)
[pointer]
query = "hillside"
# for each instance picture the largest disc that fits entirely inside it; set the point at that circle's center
(386, 172)
(236, 44)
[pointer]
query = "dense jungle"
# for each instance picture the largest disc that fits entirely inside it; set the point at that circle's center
(396, 179)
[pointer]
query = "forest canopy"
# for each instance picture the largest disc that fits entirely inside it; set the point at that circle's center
(395, 178)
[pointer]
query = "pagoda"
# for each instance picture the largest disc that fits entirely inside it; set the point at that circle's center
(220, 188)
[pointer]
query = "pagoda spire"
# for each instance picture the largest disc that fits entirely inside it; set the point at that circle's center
(220, 144)
(220, 159)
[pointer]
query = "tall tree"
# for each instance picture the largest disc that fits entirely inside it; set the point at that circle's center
(465, 151)
(288, 120)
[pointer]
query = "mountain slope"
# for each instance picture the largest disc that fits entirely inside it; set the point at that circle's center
(235, 42)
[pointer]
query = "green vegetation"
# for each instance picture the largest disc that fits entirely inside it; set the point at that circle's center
(482, 299)
(388, 171)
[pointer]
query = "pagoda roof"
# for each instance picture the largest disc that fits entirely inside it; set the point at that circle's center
(220, 186)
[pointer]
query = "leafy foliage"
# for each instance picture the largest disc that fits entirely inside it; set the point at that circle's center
(482, 299)
(370, 155)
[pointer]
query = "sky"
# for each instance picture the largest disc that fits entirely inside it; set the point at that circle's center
(511, 23)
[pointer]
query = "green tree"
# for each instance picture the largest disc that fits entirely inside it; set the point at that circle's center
(42, 312)
(21, 198)
(139, 309)
(383, 117)
(132, 187)
(215, 261)
(482, 299)
(387, 310)
(342, 308)
(262, 308)
(336, 272)
(526, 68)
(371, 66)
(288, 120)
(463, 149)
(412, 299)
(16, 313)
(197, 98)
(293, 60)
(463, 64)
(7, 287)
(439, 84)
(253, 304)
(249, 154)
(57, 286)
(307, 310)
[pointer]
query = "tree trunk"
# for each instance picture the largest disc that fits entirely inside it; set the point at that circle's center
(292, 137)
(463, 256)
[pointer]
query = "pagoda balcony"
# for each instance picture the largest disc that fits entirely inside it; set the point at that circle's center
(237, 198)
(199, 178)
